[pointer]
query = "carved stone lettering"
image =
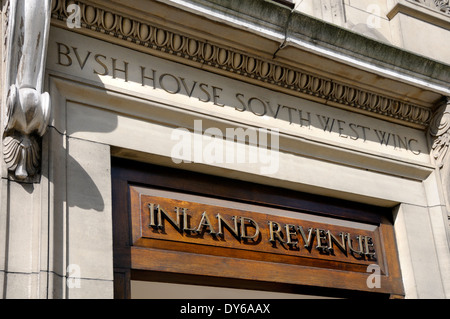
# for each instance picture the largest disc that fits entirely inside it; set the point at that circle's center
(162, 78)
(298, 81)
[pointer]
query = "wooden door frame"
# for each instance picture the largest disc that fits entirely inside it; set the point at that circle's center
(125, 172)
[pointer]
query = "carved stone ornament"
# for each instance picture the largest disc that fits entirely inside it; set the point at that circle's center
(440, 133)
(27, 106)
(440, 130)
(440, 5)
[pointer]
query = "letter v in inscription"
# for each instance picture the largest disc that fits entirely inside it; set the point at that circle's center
(325, 122)
(81, 63)
(274, 113)
(186, 87)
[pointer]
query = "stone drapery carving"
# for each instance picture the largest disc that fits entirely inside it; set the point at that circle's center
(440, 131)
(440, 134)
(27, 107)
(440, 5)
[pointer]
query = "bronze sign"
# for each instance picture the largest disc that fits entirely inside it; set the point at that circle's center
(174, 224)
(194, 228)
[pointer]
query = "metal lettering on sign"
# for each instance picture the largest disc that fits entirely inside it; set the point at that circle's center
(174, 224)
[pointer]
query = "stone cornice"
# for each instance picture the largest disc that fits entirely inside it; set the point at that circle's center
(175, 45)
(269, 21)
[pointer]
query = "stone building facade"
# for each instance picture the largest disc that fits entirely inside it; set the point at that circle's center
(115, 118)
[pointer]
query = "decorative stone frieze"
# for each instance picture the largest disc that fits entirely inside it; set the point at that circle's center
(26, 106)
(440, 5)
(142, 33)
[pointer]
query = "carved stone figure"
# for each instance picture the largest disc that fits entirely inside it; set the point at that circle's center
(27, 106)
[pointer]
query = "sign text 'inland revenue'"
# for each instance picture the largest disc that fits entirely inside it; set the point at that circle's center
(189, 222)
